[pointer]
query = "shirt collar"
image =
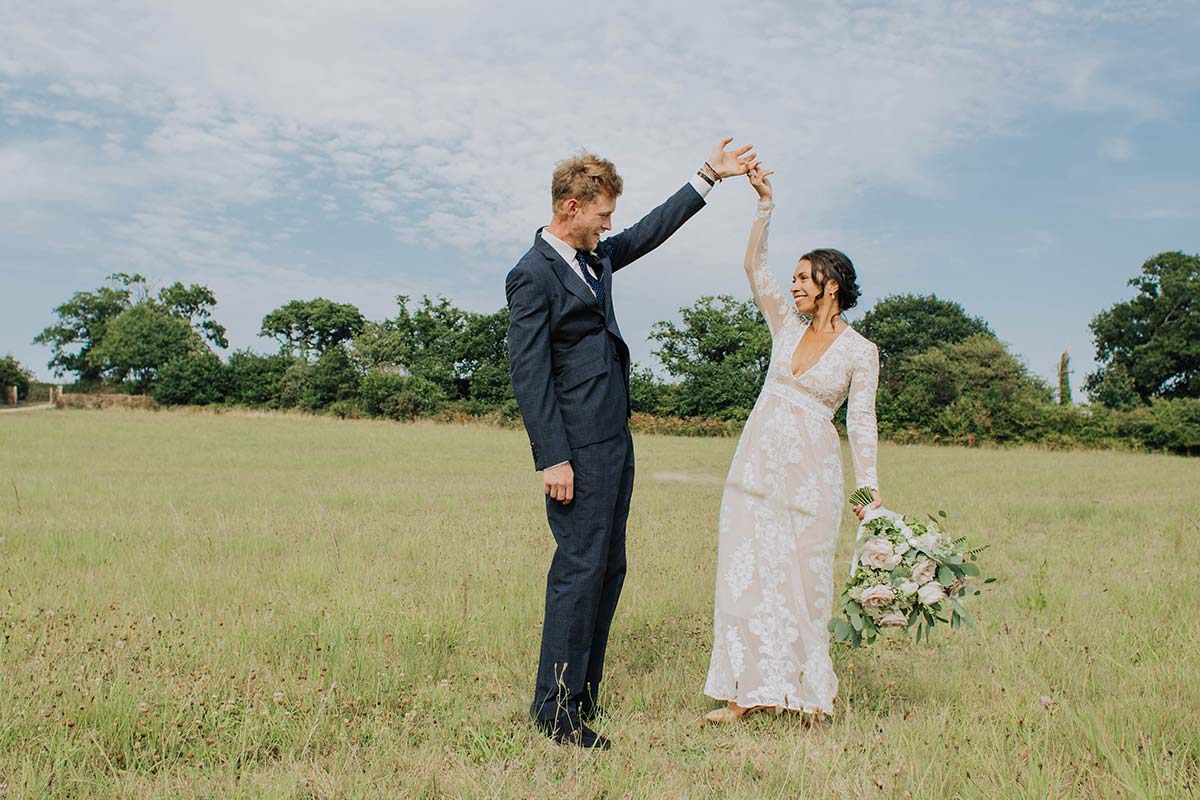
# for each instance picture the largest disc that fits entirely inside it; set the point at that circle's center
(562, 248)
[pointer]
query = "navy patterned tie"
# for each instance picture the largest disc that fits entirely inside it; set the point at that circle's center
(585, 263)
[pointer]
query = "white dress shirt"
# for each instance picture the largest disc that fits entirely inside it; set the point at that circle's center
(568, 252)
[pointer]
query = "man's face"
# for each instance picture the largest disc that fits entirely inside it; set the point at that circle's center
(590, 222)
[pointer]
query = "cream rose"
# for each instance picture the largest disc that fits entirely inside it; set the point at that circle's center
(929, 541)
(893, 618)
(908, 588)
(924, 571)
(876, 552)
(878, 596)
(930, 593)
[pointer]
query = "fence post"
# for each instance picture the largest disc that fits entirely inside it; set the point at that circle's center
(10, 395)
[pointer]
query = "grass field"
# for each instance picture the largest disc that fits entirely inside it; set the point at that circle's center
(234, 606)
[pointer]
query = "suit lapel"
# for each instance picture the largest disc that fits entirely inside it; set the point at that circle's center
(570, 281)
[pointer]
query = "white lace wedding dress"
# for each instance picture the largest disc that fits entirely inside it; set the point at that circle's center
(782, 507)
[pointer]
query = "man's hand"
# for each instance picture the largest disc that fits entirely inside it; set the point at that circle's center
(729, 163)
(560, 482)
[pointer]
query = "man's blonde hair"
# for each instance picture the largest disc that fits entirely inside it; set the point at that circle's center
(585, 177)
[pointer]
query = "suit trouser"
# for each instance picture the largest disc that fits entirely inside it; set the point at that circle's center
(585, 577)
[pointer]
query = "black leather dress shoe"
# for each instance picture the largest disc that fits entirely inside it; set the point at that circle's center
(590, 715)
(575, 736)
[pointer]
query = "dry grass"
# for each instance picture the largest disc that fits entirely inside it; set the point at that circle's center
(239, 606)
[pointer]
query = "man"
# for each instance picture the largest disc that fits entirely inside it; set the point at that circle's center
(570, 373)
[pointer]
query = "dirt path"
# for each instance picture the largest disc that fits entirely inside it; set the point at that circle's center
(45, 407)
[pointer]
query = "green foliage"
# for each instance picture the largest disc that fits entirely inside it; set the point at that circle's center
(974, 389)
(140, 340)
(312, 327)
(1064, 379)
(417, 397)
(82, 322)
(377, 386)
(255, 379)
(463, 353)
(901, 325)
(13, 374)
(719, 351)
(195, 378)
(195, 304)
(1155, 337)
(1113, 387)
(331, 378)
(648, 395)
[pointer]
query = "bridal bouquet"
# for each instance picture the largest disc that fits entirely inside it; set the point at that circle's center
(906, 572)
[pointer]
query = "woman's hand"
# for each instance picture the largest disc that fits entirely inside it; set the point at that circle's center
(859, 511)
(758, 179)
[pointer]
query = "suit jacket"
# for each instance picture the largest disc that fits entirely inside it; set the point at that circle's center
(568, 362)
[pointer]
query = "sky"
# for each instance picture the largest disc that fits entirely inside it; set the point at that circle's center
(1022, 159)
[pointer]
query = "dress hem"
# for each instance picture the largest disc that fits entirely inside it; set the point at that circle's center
(802, 709)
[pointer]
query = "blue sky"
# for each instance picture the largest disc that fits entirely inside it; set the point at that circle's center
(1021, 159)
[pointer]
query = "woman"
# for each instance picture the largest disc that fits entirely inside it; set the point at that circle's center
(782, 504)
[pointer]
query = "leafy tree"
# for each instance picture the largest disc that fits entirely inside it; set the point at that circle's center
(331, 378)
(1064, 379)
(312, 327)
(254, 379)
(82, 322)
(1113, 388)
(463, 353)
(973, 389)
(647, 394)
(195, 304)
(905, 324)
(139, 341)
(1155, 337)
(719, 351)
(195, 378)
(13, 374)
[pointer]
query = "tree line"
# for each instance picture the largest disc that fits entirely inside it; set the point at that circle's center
(944, 375)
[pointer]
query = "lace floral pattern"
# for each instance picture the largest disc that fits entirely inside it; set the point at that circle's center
(782, 507)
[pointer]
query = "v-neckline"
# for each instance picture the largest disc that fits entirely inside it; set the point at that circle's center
(815, 364)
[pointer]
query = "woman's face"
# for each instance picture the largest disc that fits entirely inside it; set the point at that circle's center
(805, 290)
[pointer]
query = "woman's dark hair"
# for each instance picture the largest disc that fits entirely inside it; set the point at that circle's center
(829, 264)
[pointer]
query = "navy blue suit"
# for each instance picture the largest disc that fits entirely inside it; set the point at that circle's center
(570, 373)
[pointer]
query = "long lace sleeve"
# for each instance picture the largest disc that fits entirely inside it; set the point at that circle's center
(860, 417)
(771, 299)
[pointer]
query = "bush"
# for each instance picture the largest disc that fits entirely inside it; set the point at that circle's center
(254, 379)
(966, 392)
(13, 374)
(418, 397)
(315, 386)
(376, 387)
(197, 378)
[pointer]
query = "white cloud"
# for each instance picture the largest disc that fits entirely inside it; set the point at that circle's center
(441, 120)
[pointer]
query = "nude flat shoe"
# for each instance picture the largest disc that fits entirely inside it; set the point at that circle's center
(722, 716)
(725, 715)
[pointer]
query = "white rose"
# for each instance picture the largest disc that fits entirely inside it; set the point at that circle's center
(902, 548)
(908, 588)
(893, 561)
(878, 596)
(893, 618)
(930, 593)
(924, 571)
(929, 541)
(876, 552)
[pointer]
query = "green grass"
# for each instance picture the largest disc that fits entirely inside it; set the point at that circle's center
(195, 605)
